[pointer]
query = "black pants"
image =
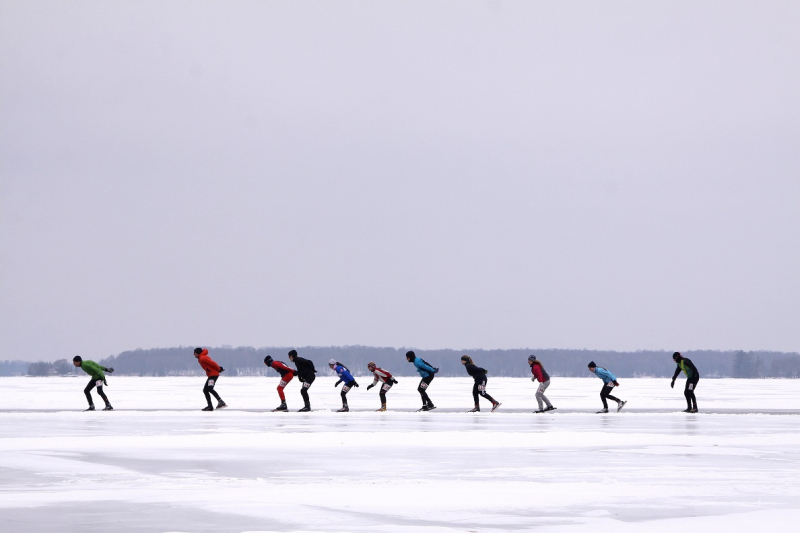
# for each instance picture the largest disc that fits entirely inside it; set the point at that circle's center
(304, 390)
(209, 389)
(480, 389)
(384, 389)
(92, 384)
(345, 389)
(691, 400)
(606, 393)
(423, 386)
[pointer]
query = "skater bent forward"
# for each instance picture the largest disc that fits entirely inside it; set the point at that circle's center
(98, 379)
(692, 378)
(609, 382)
(212, 375)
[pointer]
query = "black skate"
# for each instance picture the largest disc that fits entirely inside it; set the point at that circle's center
(222, 405)
(91, 408)
(495, 405)
(620, 406)
(344, 409)
(305, 409)
(108, 408)
(549, 408)
(281, 407)
(209, 408)
(475, 409)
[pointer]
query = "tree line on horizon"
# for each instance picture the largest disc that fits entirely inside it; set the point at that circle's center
(248, 361)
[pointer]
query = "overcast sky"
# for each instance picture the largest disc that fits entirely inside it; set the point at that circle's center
(603, 175)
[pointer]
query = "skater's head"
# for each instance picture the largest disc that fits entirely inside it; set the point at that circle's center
(292, 355)
(332, 363)
(677, 357)
(77, 360)
(268, 360)
(372, 366)
(197, 352)
(465, 359)
(531, 360)
(592, 366)
(410, 356)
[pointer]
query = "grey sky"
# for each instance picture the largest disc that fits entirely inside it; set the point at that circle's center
(615, 175)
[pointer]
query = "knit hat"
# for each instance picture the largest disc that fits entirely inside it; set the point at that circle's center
(411, 355)
(677, 355)
(292, 353)
(268, 360)
(77, 359)
(592, 365)
(332, 362)
(372, 364)
(531, 358)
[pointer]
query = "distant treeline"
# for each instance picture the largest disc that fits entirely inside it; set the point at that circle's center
(248, 361)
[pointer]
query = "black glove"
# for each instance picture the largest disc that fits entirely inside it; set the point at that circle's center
(105, 383)
(370, 386)
(109, 370)
(435, 370)
(672, 384)
(221, 369)
(337, 383)
(394, 381)
(616, 384)
(355, 384)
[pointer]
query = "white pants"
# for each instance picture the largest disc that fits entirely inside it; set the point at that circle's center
(540, 394)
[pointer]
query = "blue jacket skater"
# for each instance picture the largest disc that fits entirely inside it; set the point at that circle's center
(605, 375)
(343, 374)
(424, 370)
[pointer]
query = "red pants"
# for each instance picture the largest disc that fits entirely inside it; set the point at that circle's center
(284, 381)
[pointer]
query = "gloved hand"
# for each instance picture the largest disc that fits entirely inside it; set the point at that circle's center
(355, 384)
(110, 370)
(533, 378)
(370, 386)
(337, 383)
(221, 369)
(394, 381)
(672, 384)
(616, 384)
(435, 370)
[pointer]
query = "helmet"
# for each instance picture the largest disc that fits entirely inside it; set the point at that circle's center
(332, 362)
(677, 356)
(372, 365)
(268, 360)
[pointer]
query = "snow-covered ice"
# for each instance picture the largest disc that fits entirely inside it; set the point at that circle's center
(159, 464)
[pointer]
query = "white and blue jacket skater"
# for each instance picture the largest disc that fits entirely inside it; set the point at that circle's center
(343, 373)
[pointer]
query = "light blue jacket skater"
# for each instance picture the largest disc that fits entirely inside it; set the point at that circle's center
(426, 371)
(609, 382)
(423, 368)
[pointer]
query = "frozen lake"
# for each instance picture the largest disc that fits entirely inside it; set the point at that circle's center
(159, 464)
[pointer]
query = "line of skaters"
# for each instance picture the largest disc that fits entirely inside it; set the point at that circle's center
(306, 374)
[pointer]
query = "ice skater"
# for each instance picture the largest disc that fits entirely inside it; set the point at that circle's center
(212, 375)
(609, 382)
(344, 376)
(386, 380)
(97, 379)
(306, 375)
(540, 375)
(479, 387)
(287, 374)
(426, 372)
(692, 377)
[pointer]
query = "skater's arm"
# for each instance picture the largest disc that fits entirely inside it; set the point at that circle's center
(676, 374)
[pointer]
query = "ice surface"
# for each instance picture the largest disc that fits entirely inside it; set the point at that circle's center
(159, 464)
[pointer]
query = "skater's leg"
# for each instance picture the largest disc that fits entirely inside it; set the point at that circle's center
(691, 399)
(209, 389)
(87, 391)
(206, 393)
(100, 391)
(281, 386)
(475, 393)
(422, 389)
(345, 389)
(604, 393)
(540, 395)
(482, 391)
(304, 394)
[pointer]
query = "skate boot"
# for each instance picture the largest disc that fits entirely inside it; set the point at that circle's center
(344, 409)
(108, 407)
(208, 408)
(429, 407)
(475, 409)
(620, 406)
(281, 407)
(305, 409)
(605, 410)
(687, 410)
(222, 405)
(693, 410)
(495, 405)
(383, 408)
(549, 408)
(91, 408)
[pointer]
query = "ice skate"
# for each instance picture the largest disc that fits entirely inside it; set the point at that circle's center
(495, 405)
(281, 407)
(108, 408)
(209, 408)
(304, 409)
(693, 410)
(605, 410)
(549, 408)
(222, 405)
(620, 406)
(91, 408)
(344, 409)
(383, 408)
(475, 409)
